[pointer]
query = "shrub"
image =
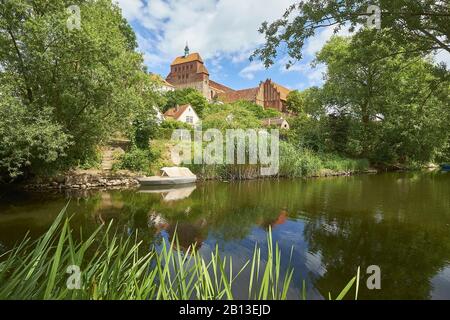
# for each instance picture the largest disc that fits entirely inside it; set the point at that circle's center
(138, 160)
(300, 162)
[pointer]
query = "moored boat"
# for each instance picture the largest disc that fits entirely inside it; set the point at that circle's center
(160, 181)
(170, 176)
(445, 167)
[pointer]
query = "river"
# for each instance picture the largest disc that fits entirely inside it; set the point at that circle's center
(397, 221)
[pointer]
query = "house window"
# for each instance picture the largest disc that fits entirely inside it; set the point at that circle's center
(189, 119)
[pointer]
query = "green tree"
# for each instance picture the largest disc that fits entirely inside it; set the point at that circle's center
(308, 101)
(86, 83)
(26, 137)
(423, 25)
(186, 96)
(230, 116)
(296, 101)
(259, 111)
(396, 108)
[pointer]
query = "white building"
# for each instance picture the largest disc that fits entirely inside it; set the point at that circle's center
(279, 122)
(184, 114)
(163, 85)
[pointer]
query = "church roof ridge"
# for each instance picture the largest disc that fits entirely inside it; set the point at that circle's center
(189, 58)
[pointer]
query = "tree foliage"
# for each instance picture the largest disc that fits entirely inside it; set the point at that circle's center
(391, 110)
(186, 96)
(423, 23)
(230, 116)
(78, 86)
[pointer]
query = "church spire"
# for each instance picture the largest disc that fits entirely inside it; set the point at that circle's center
(186, 50)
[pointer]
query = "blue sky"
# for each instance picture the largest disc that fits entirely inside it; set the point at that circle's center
(225, 33)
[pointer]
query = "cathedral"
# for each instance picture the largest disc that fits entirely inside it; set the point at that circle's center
(189, 71)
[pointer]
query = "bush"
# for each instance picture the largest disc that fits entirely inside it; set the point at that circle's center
(138, 160)
(257, 110)
(339, 164)
(168, 126)
(297, 162)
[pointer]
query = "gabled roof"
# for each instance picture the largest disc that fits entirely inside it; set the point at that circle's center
(246, 94)
(190, 58)
(219, 86)
(284, 92)
(177, 111)
(158, 78)
(278, 121)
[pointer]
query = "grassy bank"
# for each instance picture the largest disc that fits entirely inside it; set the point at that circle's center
(114, 267)
(294, 163)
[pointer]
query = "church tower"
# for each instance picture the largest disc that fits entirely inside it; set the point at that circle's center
(189, 71)
(186, 50)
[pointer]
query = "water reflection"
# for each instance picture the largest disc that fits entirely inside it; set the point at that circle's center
(174, 193)
(400, 222)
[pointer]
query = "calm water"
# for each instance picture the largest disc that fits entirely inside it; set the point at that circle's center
(400, 222)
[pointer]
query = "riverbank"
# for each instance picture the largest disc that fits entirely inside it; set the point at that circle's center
(93, 179)
(326, 220)
(83, 180)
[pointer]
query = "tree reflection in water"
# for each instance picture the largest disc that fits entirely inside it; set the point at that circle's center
(400, 222)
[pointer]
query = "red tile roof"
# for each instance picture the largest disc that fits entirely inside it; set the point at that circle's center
(219, 86)
(190, 58)
(284, 92)
(246, 94)
(158, 78)
(176, 112)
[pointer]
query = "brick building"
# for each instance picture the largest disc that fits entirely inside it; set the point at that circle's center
(189, 71)
(268, 95)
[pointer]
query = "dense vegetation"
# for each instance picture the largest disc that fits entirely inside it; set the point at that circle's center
(421, 25)
(383, 98)
(63, 92)
(392, 110)
(66, 92)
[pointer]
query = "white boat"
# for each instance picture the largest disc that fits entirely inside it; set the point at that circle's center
(170, 176)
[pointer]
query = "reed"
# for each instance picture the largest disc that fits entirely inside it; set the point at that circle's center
(120, 268)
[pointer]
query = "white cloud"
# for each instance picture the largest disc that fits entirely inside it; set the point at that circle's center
(442, 56)
(227, 27)
(313, 75)
(131, 9)
(249, 71)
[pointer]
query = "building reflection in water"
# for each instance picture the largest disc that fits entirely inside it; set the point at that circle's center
(190, 234)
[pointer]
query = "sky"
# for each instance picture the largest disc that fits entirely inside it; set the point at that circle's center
(225, 33)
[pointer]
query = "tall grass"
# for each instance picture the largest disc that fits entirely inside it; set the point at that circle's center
(114, 267)
(296, 163)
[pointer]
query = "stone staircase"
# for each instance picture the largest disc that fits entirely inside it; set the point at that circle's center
(108, 159)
